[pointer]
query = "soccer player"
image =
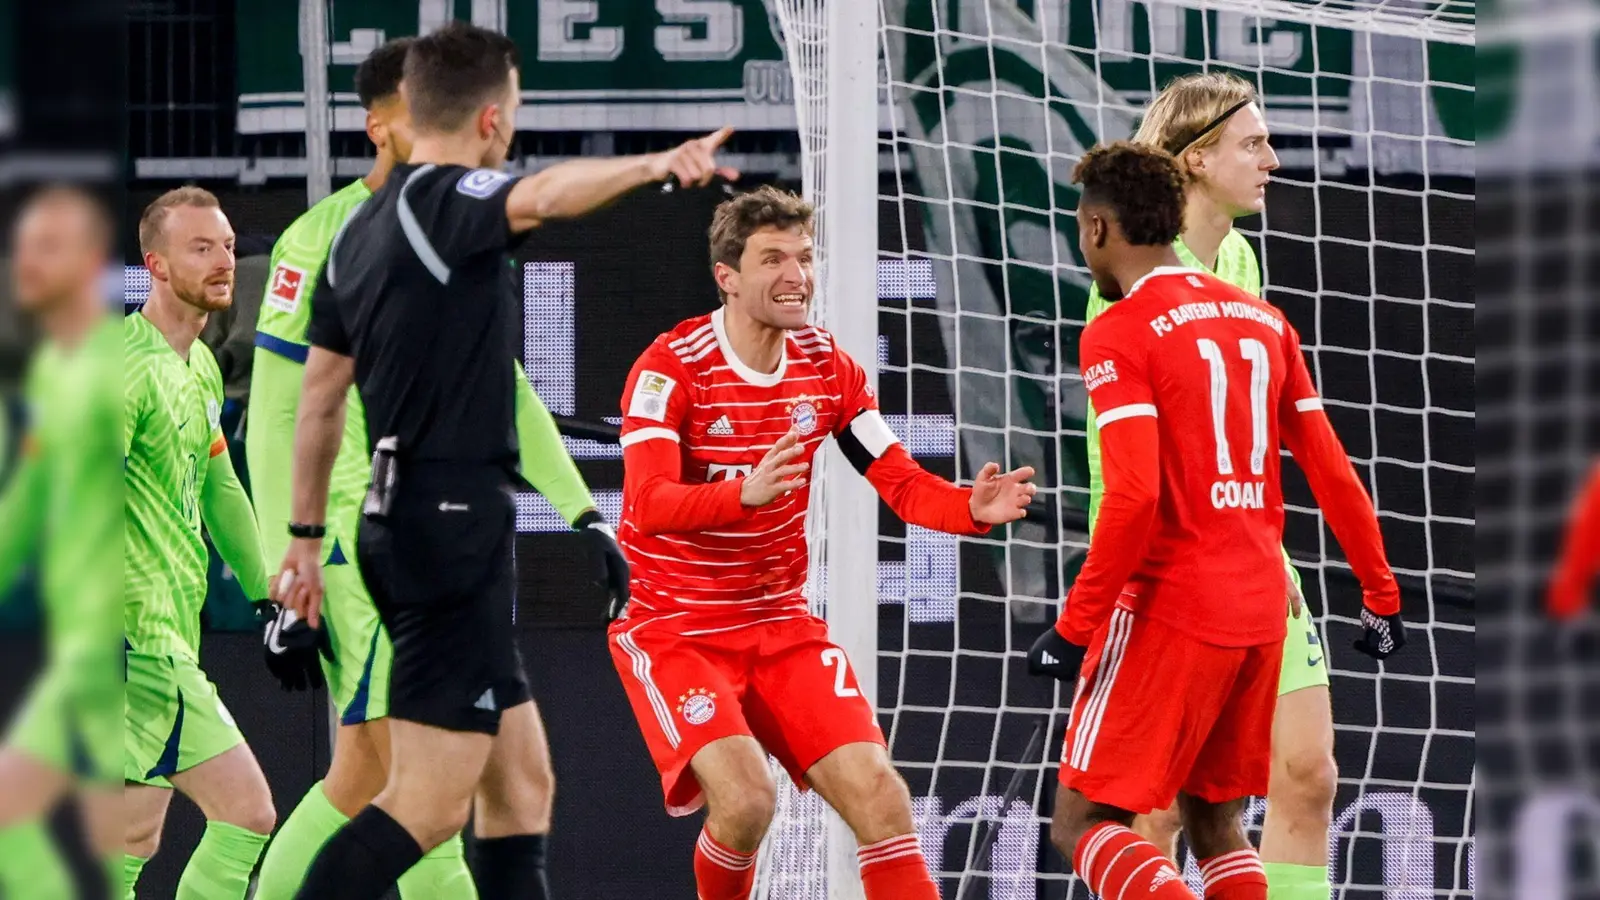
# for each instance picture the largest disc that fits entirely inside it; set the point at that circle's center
(63, 502)
(511, 822)
(417, 307)
(178, 476)
(1580, 554)
(1212, 123)
(720, 657)
(1177, 618)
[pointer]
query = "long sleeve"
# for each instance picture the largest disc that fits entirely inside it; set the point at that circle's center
(659, 503)
(1310, 437)
(1132, 475)
(228, 516)
(1579, 563)
(22, 506)
(545, 461)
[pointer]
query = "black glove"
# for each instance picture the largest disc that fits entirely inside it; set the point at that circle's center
(291, 646)
(1055, 656)
(1385, 634)
(611, 570)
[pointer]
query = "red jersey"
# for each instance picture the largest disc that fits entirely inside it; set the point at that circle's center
(696, 420)
(1195, 382)
(1580, 554)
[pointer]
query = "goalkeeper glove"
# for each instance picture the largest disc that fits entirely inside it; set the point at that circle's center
(1055, 656)
(291, 646)
(1385, 634)
(611, 565)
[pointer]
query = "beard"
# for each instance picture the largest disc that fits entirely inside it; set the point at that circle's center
(195, 294)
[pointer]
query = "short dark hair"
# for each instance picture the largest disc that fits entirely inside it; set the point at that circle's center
(453, 72)
(736, 219)
(1142, 185)
(378, 76)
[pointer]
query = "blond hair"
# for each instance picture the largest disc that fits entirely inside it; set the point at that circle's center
(154, 219)
(1185, 107)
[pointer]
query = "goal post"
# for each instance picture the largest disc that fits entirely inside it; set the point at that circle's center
(982, 108)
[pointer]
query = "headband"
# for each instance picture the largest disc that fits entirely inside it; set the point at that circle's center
(1212, 125)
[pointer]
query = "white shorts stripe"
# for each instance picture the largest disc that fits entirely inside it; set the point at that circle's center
(641, 672)
(1104, 677)
(1124, 412)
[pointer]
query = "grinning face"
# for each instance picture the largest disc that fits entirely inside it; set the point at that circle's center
(774, 281)
(195, 257)
(1234, 171)
(55, 254)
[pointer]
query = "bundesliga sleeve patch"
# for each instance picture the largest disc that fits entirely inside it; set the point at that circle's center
(650, 395)
(288, 283)
(481, 183)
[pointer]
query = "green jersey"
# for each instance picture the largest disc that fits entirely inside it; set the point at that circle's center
(1236, 264)
(65, 500)
(279, 366)
(172, 412)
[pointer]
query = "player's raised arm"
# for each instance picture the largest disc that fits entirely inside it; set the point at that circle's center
(580, 186)
(1310, 437)
(915, 494)
(1580, 554)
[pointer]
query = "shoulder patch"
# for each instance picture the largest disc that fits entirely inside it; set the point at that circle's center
(481, 183)
(288, 283)
(650, 395)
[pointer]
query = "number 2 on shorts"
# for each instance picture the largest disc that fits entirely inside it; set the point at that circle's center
(833, 656)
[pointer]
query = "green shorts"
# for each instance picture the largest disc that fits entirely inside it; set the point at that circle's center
(72, 727)
(175, 720)
(1304, 664)
(358, 674)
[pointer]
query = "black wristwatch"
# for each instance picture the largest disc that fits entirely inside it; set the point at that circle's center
(298, 530)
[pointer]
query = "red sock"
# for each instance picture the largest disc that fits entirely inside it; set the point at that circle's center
(1119, 865)
(720, 873)
(895, 870)
(1234, 876)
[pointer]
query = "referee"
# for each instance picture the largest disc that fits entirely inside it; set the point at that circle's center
(417, 307)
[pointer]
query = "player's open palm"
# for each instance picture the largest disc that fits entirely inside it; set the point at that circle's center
(1000, 498)
(299, 582)
(779, 472)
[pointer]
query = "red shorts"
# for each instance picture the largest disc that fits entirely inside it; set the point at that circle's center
(1158, 711)
(782, 682)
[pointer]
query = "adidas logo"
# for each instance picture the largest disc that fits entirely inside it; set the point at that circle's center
(1048, 658)
(486, 701)
(721, 428)
(1166, 874)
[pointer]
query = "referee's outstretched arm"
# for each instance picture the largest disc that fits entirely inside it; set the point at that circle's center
(571, 189)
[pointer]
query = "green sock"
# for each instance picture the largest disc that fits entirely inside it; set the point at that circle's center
(440, 875)
(131, 867)
(296, 844)
(28, 859)
(221, 865)
(113, 872)
(1287, 881)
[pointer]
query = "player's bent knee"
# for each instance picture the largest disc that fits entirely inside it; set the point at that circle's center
(259, 817)
(744, 815)
(1304, 786)
(1159, 826)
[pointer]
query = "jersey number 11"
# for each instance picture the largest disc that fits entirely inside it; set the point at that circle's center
(1260, 379)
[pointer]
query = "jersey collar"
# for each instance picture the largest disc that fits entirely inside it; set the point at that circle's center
(745, 373)
(1163, 270)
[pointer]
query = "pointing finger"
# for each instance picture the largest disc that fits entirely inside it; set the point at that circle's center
(717, 138)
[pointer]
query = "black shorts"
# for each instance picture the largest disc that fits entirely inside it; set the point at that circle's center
(440, 571)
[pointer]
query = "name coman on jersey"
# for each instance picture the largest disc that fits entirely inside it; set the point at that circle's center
(689, 388)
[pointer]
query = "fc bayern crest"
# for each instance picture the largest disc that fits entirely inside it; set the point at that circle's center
(697, 706)
(804, 417)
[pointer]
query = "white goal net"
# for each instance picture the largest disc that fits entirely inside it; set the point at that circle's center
(984, 107)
